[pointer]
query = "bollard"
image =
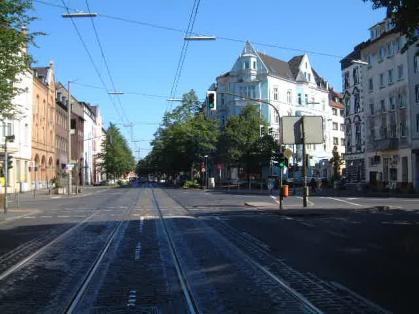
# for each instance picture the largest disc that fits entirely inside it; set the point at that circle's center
(285, 190)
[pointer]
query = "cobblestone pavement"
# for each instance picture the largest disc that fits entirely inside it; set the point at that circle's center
(153, 250)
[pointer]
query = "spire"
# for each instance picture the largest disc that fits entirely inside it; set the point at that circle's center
(248, 49)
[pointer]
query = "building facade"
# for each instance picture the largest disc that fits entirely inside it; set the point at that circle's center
(20, 150)
(61, 133)
(43, 123)
(386, 110)
(293, 87)
(88, 142)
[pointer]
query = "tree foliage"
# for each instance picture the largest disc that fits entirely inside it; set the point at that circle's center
(241, 144)
(405, 15)
(117, 158)
(184, 137)
(13, 58)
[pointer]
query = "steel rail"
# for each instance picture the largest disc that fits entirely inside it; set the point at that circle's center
(71, 307)
(187, 292)
(298, 296)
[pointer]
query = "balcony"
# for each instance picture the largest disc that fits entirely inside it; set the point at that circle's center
(386, 144)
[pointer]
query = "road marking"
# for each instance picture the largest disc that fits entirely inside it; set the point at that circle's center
(132, 298)
(63, 216)
(344, 201)
(137, 251)
(308, 200)
(29, 217)
(274, 198)
(46, 216)
(141, 224)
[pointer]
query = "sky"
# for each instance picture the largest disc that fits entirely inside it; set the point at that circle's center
(141, 42)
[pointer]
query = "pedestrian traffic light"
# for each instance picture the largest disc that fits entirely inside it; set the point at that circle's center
(212, 100)
(282, 161)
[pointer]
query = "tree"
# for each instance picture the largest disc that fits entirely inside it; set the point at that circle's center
(117, 158)
(405, 15)
(241, 144)
(336, 162)
(14, 59)
(184, 137)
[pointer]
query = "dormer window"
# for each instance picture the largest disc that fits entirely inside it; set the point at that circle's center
(246, 65)
(254, 65)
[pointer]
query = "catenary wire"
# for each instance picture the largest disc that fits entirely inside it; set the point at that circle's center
(91, 60)
(105, 61)
(178, 30)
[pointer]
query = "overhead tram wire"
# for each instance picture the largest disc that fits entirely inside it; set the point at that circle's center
(105, 61)
(178, 30)
(183, 52)
(91, 60)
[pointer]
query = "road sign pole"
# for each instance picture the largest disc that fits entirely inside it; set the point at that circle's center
(305, 192)
(6, 176)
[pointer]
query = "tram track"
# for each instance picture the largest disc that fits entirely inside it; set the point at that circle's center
(316, 294)
(186, 288)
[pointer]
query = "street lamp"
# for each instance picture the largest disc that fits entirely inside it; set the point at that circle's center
(78, 14)
(199, 38)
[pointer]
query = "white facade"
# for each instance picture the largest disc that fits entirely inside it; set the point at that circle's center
(293, 87)
(21, 128)
(98, 137)
(388, 109)
(89, 134)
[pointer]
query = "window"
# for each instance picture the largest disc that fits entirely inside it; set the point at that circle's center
(357, 106)
(289, 97)
(382, 53)
(370, 85)
(342, 127)
(371, 109)
(400, 100)
(342, 142)
(346, 81)
(342, 113)
(400, 72)
(390, 50)
(383, 105)
(275, 93)
(392, 103)
(334, 111)
(390, 76)
(403, 128)
(355, 75)
(246, 64)
(417, 93)
(416, 63)
(299, 98)
(382, 80)
(309, 76)
(254, 65)
(335, 126)
(417, 122)
(347, 105)
(335, 141)
(369, 60)
(306, 98)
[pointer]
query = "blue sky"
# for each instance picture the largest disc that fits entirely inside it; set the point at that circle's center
(143, 60)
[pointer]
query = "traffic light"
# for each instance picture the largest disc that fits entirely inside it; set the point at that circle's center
(212, 100)
(282, 161)
(9, 161)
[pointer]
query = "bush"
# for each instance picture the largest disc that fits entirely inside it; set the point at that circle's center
(191, 184)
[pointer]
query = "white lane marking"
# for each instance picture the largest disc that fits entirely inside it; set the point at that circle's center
(344, 201)
(352, 198)
(46, 216)
(274, 198)
(137, 251)
(29, 217)
(132, 298)
(141, 224)
(63, 216)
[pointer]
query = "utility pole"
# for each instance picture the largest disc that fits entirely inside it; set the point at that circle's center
(69, 168)
(305, 192)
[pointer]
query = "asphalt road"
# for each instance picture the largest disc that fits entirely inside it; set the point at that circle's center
(150, 249)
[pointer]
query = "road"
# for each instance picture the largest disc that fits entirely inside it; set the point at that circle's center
(149, 249)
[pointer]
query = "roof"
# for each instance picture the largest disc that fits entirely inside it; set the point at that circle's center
(294, 64)
(337, 105)
(41, 73)
(276, 66)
